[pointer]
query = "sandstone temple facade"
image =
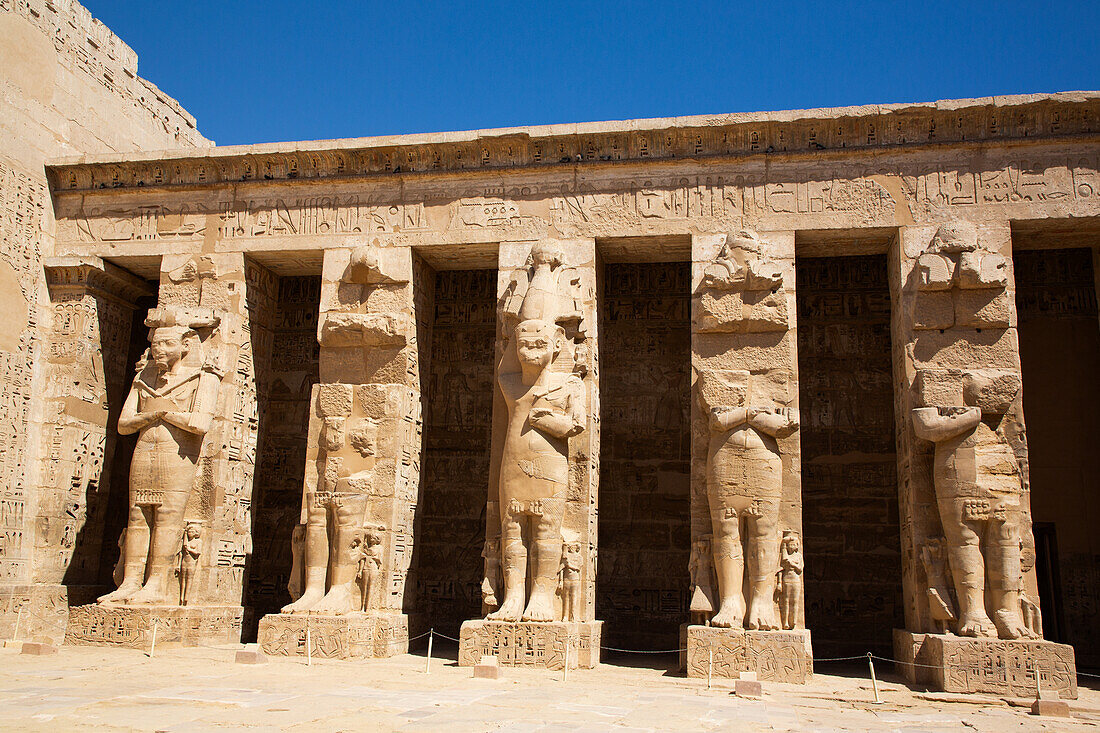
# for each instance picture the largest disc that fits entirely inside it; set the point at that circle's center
(749, 386)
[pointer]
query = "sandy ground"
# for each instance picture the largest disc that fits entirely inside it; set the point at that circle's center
(202, 689)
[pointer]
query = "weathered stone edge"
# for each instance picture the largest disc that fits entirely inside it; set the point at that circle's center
(1017, 117)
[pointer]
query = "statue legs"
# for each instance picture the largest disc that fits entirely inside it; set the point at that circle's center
(729, 566)
(536, 525)
(547, 560)
(161, 477)
(788, 611)
(329, 568)
(1006, 579)
(166, 536)
(964, 554)
(514, 553)
(347, 514)
(762, 539)
(314, 556)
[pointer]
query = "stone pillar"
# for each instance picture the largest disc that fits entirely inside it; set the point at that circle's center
(92, 306)
(971, 606)
(354, 546)
(746, 480)
(189, 530)
(540, 548)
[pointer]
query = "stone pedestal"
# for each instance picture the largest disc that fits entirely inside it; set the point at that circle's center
(775, 656)
(531, 644)
(347, 636)
(996, 666)
(132, 626)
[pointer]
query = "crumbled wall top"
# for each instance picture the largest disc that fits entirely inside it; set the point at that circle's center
(86, 45)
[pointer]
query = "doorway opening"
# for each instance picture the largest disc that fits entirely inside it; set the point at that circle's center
(1059, 336)
(850, 523)
(645, 453)
(456, 333)
(283, 312)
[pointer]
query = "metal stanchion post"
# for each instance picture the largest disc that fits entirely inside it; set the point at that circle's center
(18, 623)
(874, 682)
(710, 669)
(309, 645)
(153, 644)
(428, 660)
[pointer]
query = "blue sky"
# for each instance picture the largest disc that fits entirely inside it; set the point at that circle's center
(288, 70)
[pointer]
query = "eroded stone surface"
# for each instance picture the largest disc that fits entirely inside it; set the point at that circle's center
(531, 644)
(132, 626)
(996, 666)
(345, 636)
(773, 656)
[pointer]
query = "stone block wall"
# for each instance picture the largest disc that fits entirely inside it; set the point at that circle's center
(457, 430)
(849, 466)
(645, 532)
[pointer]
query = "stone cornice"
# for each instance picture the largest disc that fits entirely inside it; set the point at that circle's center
(844, 129)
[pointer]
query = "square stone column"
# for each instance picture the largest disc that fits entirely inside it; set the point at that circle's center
(353, 548)
(746, 502)
(207, 293)
(92, 307)
(971, 604)
(553, 281)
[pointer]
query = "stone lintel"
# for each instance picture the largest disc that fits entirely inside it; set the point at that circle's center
(775, 656)
(95, 275)
(132, 626)
(531, 643)
(344, 636)
(996, 666)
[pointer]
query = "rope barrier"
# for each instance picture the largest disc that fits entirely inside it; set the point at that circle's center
(398, 642)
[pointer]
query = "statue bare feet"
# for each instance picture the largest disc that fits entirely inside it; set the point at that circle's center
(510, 611)
(1010, 625)
(975, 624)
(150, 595)
(539, 608)
(119, 595)
(729, 616)
(306, 603)
(761, 615)
(339, 599)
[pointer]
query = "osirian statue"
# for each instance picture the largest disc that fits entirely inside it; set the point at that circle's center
(978, 488)
(171, 407)
(744, 488)
(545, 404)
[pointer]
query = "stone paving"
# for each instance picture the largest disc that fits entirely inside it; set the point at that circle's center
(202, 689)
